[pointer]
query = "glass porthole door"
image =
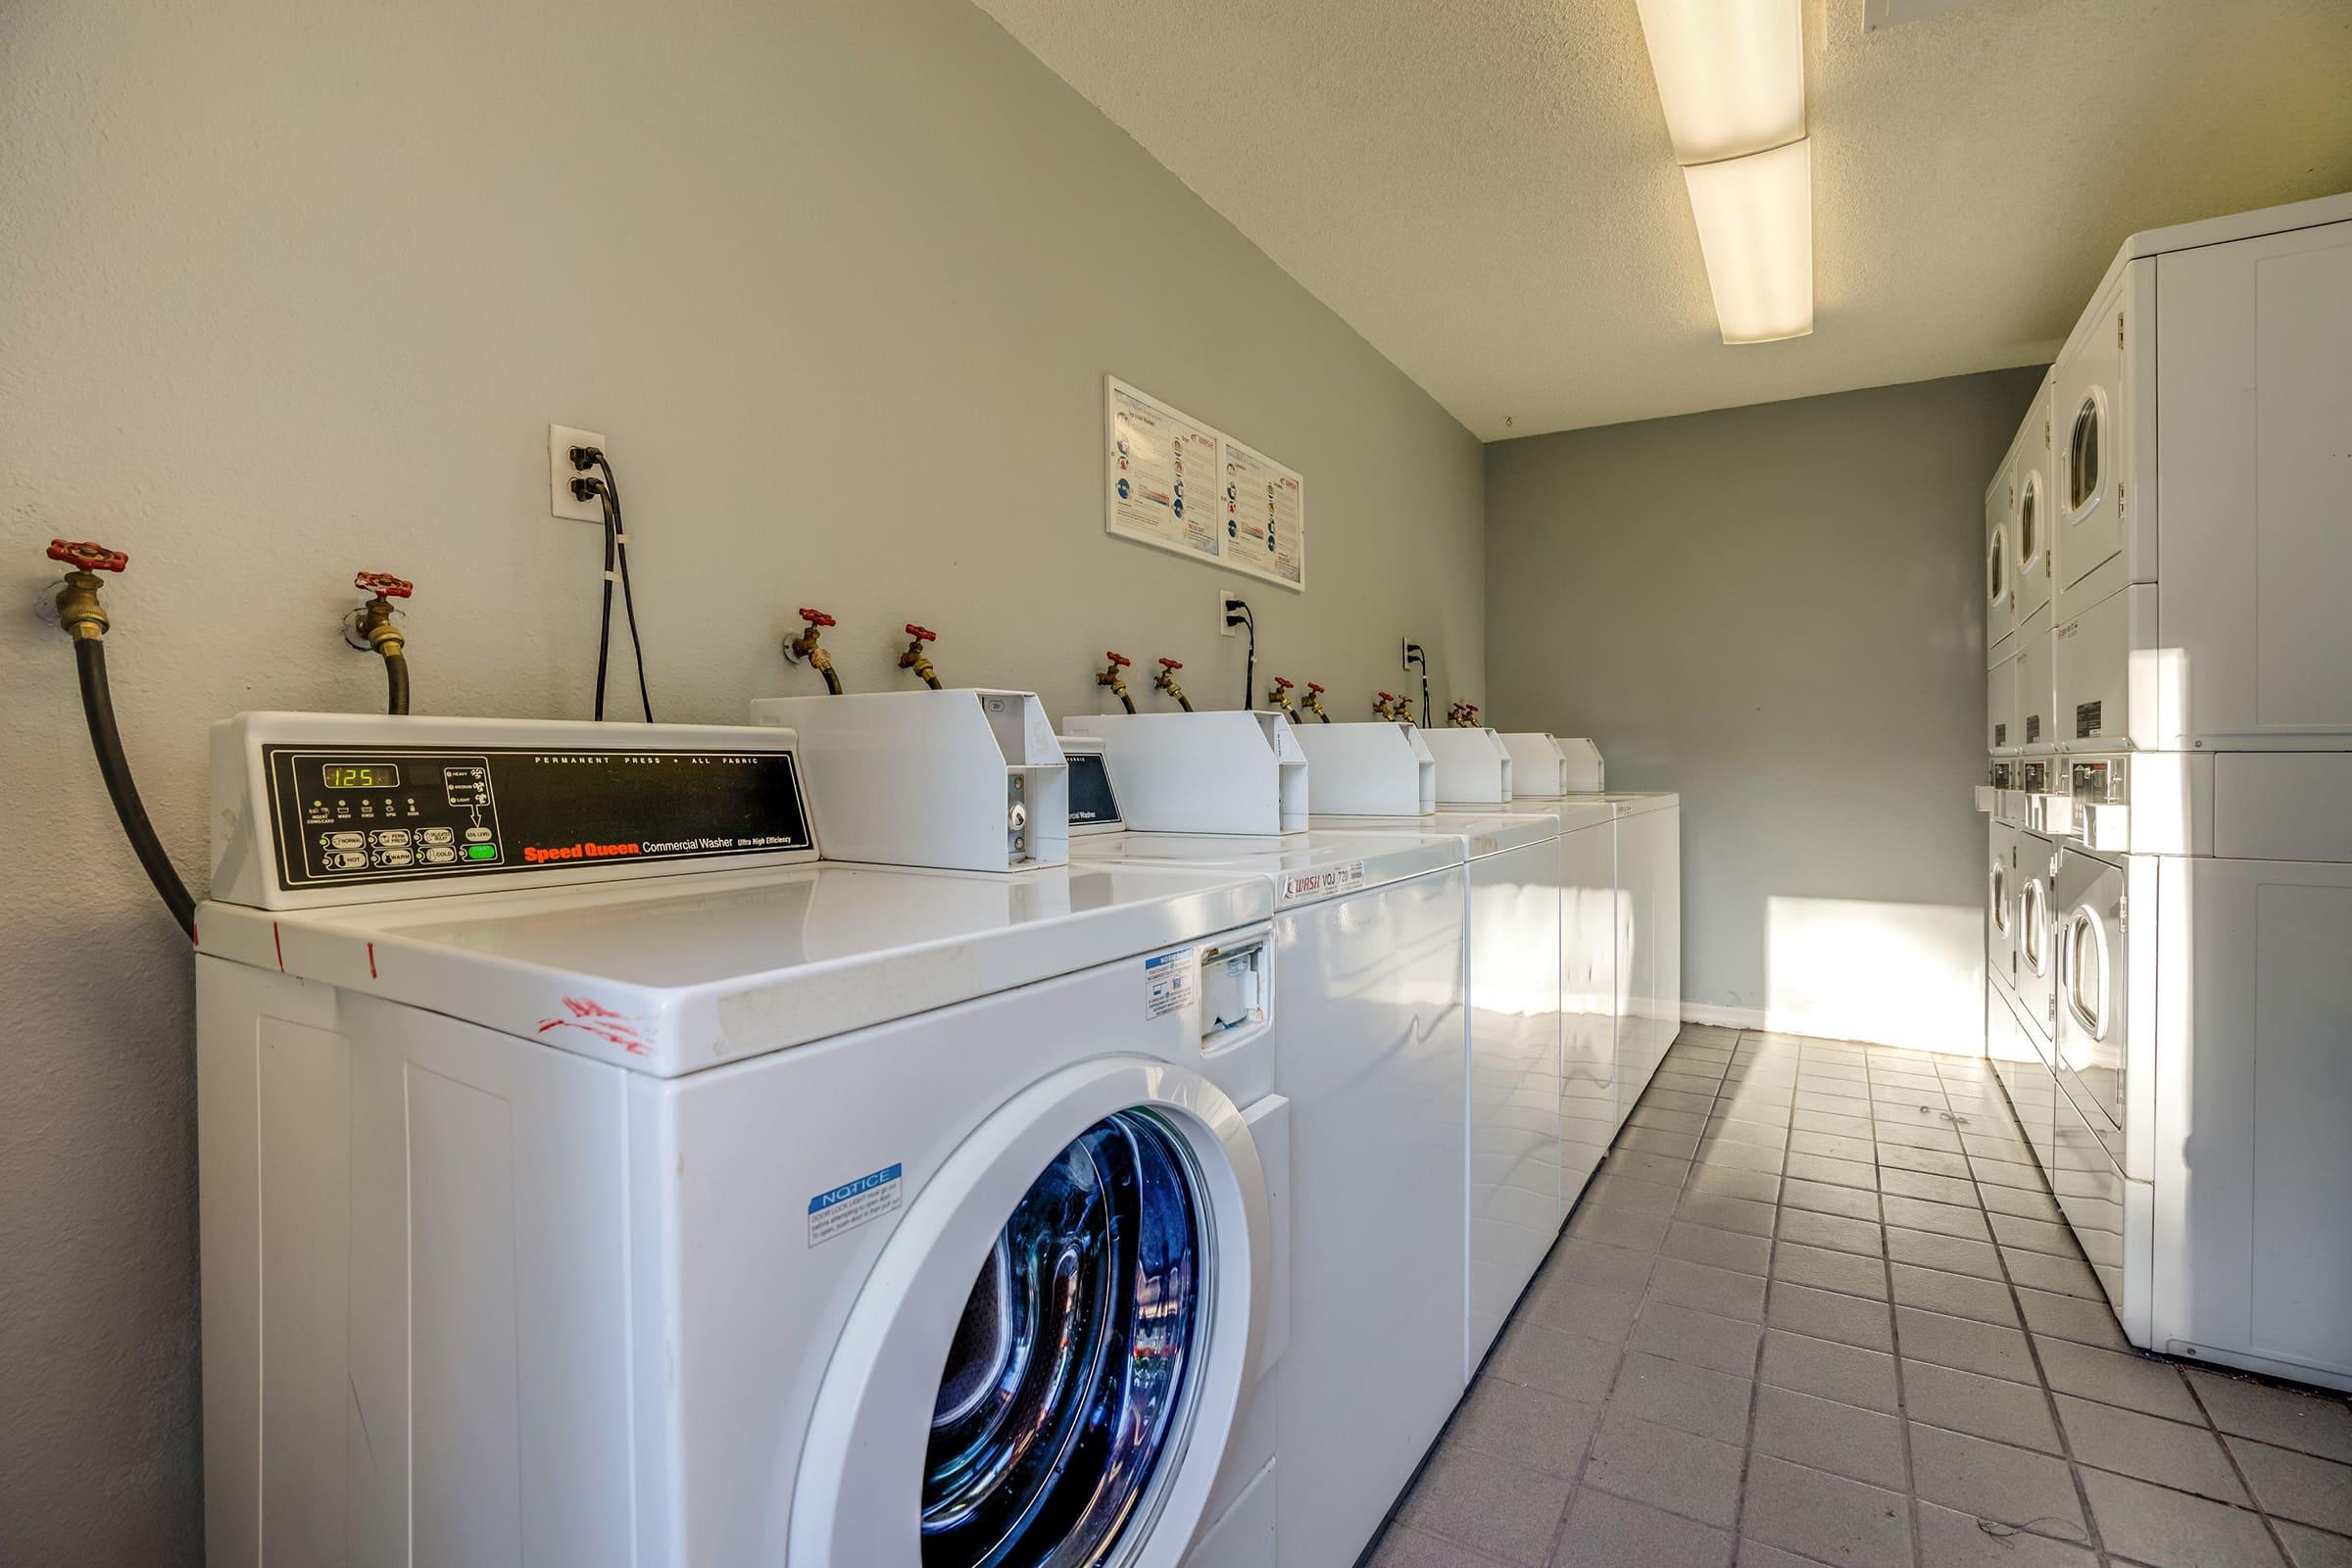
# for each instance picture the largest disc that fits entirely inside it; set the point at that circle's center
(1068, 1366)
(2086, 457)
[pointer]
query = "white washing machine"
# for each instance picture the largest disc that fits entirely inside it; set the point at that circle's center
(1516, 1195)
(628, 1189)
(2204, 1045)
(2034, 866)
(1369, 1053)
(2000, 907)
(2233, 339)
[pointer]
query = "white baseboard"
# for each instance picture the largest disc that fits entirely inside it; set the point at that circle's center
(1789, 1021)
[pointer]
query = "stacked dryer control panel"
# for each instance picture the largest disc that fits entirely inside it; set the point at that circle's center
(2169, 881)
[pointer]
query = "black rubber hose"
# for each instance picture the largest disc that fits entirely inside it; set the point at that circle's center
(832, 680)
(628, 597)
(98, 707)
(604, 629)
(932, 682)
(396, 678)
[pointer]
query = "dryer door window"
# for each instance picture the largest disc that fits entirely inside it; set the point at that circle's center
(2000, 894)
(1996, 569)
(2090, 978)
(1067, 1373)
(2034, 926)
(2083, 460)
(2029, 526)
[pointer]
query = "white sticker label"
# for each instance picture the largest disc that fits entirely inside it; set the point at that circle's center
(1168, 983)
(1323, 884)
(853, 1203)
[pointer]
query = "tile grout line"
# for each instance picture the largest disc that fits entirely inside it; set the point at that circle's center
(2097, 1541)
(1755, 1377)
(2262, 1511)
(1895, 1336)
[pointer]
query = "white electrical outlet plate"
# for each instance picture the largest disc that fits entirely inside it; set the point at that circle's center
(1225, 598)
(560, 439)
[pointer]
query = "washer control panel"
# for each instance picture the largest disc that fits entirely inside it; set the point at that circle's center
(348, 815)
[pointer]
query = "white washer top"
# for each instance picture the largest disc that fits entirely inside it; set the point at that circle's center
(1302, 868)
(1483, 831)
(1598, 806)
(668, 975)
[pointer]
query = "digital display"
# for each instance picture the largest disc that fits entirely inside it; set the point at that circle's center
(361, 775)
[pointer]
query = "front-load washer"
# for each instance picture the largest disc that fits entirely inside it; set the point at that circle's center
(2000, 907)
(2034, 862)
(628, 1189)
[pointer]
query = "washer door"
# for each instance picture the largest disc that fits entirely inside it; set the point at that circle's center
(2092, 985)
(1044, 1366)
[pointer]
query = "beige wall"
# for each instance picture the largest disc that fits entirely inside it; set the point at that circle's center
(1776, 611)
(292, 289)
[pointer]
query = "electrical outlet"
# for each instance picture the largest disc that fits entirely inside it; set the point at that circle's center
(1226, 600)
(560, 439)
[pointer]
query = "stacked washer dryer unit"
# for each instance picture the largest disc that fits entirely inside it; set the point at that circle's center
(2188, 1094)
(1383, 778)
(626, 1188)
(1368, 1051)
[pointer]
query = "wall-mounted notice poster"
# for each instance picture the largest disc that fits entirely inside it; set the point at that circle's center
(1160, 474)
(1182, 484)
(1265, 517)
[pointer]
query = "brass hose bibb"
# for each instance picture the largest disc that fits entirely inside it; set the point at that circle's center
(1166, 682)
(805, 647)
(1314, 701)
(1110, 676)
(79, 610)
(1462, 716)
(915, 659)
(372, 625)
(1280, 696)
(1388, 705)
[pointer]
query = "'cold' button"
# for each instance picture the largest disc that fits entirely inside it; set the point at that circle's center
(477, 835)
(440, 854)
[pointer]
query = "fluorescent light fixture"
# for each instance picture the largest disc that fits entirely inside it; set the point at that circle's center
(1755, 228)
(1732, 79)
(1731, 75)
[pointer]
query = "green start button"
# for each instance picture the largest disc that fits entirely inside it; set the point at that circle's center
(482, 852)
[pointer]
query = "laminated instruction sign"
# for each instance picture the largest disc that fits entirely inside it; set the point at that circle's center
(1175, 483)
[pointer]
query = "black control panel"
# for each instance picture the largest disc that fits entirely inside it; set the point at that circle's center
(1092, 803)
(386, 813)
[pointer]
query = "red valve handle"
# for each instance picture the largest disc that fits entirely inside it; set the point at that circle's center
(1171, 664)
(1285, 685)
(1120, 659)
(383, 584)
(921, 634)
(83, 556)
(817, 617)
(1315, 686)
(1386, 697)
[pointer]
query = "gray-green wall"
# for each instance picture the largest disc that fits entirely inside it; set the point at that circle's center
(289, 289)
(1776, 611)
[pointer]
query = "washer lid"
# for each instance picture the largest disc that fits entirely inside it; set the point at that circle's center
(1482, 832)
(671, 975)
(1302, 868)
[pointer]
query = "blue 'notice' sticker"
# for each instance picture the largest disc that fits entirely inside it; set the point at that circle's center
(853, 1203)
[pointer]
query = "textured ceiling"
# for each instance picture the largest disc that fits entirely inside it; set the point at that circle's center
(1483, 188)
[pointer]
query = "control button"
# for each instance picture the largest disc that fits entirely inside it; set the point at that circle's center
(477, 835)
(482, 852)
(346, 840)
(436, 835)
(440, 854)
(350, 861)
(395, 857)
(392, 838)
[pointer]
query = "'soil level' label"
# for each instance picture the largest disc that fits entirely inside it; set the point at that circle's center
(1168, 983)
(853, 1203)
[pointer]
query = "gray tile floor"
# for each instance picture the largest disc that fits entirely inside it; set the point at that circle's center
(1818, 1308)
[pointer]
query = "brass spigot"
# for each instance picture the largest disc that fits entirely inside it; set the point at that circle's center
(1314, 701)
(1166, 682)
(1384, 706)
(377, 625)
(1278, 694)
(79, 610)
(805, 647)
(1111, 675)
(1462, 716)
(916, 658)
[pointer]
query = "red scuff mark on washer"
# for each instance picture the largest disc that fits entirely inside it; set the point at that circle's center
(614, 1028)
(281, 943)
(371, 961)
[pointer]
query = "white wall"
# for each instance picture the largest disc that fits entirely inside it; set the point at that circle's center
(1777, 610)
(292, 289)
